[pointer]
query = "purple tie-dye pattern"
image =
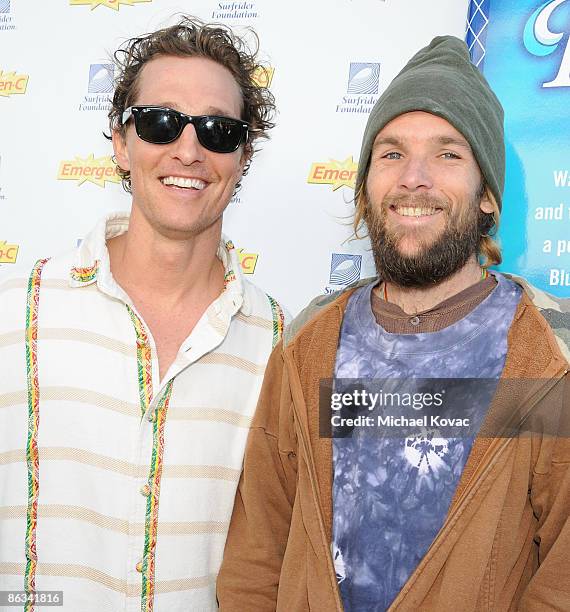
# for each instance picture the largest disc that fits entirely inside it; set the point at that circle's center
(391, 495)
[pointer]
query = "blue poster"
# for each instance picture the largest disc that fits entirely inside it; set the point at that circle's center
(522, 47)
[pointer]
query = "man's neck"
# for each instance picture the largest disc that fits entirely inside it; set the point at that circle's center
(145, 263)
(414, 300)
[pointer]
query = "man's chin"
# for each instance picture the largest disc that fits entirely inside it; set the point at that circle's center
(409, 248)
(410, 251)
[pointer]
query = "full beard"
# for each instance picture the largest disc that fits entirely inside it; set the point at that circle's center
(432, 262)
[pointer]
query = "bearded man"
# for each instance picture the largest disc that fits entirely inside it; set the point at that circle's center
(424, 520)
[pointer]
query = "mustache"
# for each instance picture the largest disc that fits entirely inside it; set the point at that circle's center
(418, 200)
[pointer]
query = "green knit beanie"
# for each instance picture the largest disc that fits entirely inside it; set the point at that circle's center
(441, 80)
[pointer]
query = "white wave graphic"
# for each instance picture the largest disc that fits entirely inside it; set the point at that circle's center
(364, 79)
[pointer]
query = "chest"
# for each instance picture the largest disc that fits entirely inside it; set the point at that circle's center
(473, 347)
(169, 330)
(98, 372)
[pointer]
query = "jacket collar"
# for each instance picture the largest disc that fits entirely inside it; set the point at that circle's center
(555, 310)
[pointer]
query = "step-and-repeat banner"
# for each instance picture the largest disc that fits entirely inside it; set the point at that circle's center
(522, 47)
(328, 62)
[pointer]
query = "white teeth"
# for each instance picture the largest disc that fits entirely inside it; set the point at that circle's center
(408, 211)
(187, 183)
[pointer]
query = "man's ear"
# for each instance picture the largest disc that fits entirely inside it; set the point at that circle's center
(246, 155)
(486, 204)
(120, 150)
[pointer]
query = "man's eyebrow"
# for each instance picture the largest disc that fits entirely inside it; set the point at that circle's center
(393, 141)
(450, 140)
(387, 140)
(210, 110)
(166, 104)
(214, 110)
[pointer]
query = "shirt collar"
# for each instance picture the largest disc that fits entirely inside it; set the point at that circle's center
(91, 265)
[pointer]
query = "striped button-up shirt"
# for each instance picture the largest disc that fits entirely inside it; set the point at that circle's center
(117, 487)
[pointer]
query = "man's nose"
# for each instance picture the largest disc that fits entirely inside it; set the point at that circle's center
(415, 175)
(187, 147)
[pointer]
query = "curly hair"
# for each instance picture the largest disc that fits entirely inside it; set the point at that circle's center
(191, 37)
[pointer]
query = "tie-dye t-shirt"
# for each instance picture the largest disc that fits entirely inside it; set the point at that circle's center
(391, 495)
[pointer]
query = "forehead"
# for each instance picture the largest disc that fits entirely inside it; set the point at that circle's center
(418, 127)
(194, 85)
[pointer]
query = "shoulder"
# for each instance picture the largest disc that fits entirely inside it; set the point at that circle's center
(260, 303)
(553, 310)
(262, 310)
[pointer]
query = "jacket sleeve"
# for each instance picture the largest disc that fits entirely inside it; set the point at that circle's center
(259, 528)
(549, 588)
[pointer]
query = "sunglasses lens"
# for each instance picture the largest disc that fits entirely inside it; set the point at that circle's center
(158, 126)
(163, 125)
(220, 134)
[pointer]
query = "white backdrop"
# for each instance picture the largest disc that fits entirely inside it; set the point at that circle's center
(330, 60)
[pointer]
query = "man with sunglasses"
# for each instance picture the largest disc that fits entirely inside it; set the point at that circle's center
(436, 475)
(122, 438)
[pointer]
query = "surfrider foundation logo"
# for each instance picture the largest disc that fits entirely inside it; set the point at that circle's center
(89, 169)
(235, 10)
(345, 268)
(362, 88)
(335, 173)
(8, 252)
(112, 4)
(101, 78)
(12, 83)
(6, 18)
(99, 88)
(363, 78)
(248, 261)
(263, 76)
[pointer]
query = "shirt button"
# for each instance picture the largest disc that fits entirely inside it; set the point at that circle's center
(145, 490)
(415, 321)
(139, 566)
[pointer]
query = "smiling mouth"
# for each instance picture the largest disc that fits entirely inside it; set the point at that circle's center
(184, 183)
(415, 211)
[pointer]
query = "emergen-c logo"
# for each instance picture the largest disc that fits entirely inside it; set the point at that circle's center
(263, 76)
(97, 171)
(12, 83)
(541, 41)
(112, 4)
(248, 261)
(335, 173)
(8, 252)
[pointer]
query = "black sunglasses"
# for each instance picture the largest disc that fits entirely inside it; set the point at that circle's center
(160, 125)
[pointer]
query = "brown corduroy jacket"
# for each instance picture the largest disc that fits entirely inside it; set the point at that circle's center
(505, 543)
